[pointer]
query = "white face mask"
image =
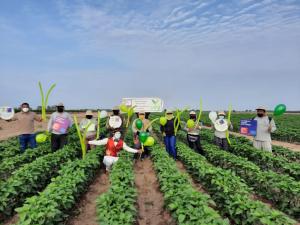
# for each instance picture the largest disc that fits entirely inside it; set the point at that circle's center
(117, 136)
(25, 109)
(221, 117)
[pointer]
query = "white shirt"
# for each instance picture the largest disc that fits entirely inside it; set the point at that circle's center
(105, 140)
(262, 132)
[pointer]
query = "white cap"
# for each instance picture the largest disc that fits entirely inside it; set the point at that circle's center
(221, 113)
(60, 104)
(192, 112)
(261, 108)
(89, 113)
(169, 111)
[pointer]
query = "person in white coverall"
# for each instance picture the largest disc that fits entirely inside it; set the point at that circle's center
(265, 126)
(113, 146)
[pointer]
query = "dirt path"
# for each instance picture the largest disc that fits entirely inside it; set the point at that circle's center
(150, 200)
(11, 221)
(87, 207)
(195, 185)
(291, 146)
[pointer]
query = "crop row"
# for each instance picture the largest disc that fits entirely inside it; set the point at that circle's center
(51, 206)
(187, 205)
(229, 191)
(32, 178)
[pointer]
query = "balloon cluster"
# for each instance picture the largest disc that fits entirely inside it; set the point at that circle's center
(144, 137)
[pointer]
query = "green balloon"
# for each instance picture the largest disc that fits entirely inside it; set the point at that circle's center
(149, 142)
(279, 109)
(41, 138)
(143, 137)
(163, 121)
(139, 124)
(190, 123)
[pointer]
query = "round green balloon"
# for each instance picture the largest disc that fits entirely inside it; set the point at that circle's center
(190, 123)
(279, 109)
(143, 137)
(149, 142)
(41, 138)
(139, 124)
(163, 121)
(123, 108)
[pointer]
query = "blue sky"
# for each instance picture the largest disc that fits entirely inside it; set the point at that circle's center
(240, 52)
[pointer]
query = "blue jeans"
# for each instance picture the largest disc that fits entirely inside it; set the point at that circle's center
(170, 143)
(25, 139)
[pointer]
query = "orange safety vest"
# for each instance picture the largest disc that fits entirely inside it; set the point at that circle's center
(112, 149)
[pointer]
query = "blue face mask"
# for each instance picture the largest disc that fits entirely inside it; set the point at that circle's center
(222, 117)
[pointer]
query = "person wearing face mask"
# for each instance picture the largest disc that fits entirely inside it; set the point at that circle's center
(220, 136)
(91, 124)
(114, 145)
(193, 134)
(25, 125)
(137, 144)
(265, 126)
(58, 125)
(168, 132)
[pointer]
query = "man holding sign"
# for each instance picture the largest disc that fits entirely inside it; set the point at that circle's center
(58, 125)
(265, 126)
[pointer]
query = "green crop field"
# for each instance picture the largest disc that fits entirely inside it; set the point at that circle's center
(241, 186)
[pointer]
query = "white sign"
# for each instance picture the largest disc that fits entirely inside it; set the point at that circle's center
(7, 113)
(144, 104)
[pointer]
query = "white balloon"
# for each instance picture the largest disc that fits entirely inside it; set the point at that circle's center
(103, 114)
(213, 116)
(221, 125)
(7, 113)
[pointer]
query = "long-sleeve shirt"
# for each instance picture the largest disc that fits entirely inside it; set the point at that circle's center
(169, 129)
(105, 140)
(262, 132)
(59, 123)
(221, 134)
(26, 122)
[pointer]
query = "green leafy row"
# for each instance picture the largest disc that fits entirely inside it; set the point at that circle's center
(31, 178)
(187, 205)
(229, 191)
(9, 165)
(51, 206)
(281, 189)
(117, 205)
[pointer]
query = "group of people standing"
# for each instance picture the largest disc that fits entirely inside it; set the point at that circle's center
(60, 122)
